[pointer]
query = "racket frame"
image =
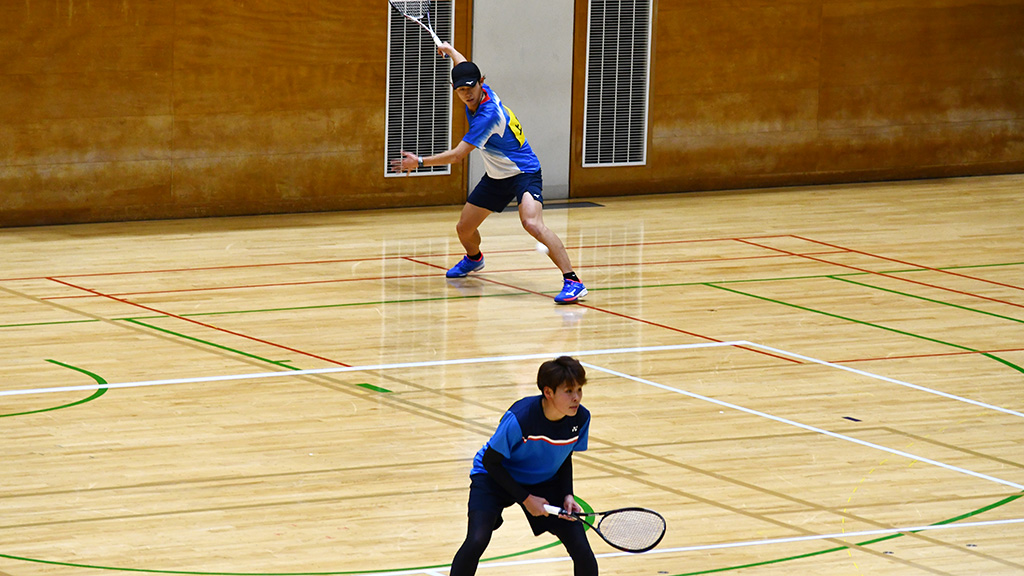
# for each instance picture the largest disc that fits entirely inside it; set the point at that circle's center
(424, 25)
(581, 516)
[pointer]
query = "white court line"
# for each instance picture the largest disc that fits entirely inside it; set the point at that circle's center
(340, 369)
(886, 379)
(808, 427)
(773, 541)
(441, 570)
(836, 535)
(723, 545)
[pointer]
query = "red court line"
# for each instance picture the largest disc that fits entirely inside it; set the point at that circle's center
(408, 276)
(435, 266)
(694, 334)
(196, 322)
(909, 263)
(242, 286)
(344, 260)
(627, 317)
(664, 242)
(197, 269)
(490, 280)
(745, 240)
(932, 355)
(883, 274)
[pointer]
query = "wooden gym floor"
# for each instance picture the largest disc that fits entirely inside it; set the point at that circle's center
(822, 380)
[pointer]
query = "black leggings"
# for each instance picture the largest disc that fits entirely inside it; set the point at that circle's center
(482, 525)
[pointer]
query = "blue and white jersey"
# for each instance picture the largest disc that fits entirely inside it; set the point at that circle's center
(533, 446)
(496, 132)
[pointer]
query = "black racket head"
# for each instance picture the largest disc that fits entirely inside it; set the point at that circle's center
(631, 529)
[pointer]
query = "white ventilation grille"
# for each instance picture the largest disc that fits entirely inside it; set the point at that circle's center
(419, 88)
(618, 63)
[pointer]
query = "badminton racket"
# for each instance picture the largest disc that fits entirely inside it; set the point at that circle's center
(628, 529)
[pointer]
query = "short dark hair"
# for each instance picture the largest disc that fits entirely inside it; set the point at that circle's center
(561, 370)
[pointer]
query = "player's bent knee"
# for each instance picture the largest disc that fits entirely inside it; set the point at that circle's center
(464, 230)
(534, 228)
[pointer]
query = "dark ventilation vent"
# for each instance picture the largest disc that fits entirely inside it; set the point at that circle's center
(419, 90)
(618, 64)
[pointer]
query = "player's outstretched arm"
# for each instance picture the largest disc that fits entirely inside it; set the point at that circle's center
(409, 161)
(448, 50)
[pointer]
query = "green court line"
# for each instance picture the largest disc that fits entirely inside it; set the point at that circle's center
(449, 298)
(986, 354)
(597, 289)
(586, 508)
(890, 272)
(583, 504)
(932, 300)
(805, 277)
(1003, 361)
(343, 305)
(53, 323)
(902, 332)
(99, 392)
(981, 510)
(282, 364)
(715, 285)
(267, 310)
(843, 318)
(873, 325)
(99, 380)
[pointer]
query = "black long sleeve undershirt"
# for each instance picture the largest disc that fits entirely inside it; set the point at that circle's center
(492, 462)
(564, 476)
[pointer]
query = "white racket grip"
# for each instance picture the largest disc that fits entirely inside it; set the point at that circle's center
(553, 509)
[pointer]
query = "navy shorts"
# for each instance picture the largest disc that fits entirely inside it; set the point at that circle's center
(487, 495)
(495, 194)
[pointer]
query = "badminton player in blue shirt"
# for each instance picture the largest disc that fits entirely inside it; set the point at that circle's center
(528, 461)
(512, 171)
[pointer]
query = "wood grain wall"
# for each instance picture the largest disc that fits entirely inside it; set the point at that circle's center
(143, 109)
(748, 93)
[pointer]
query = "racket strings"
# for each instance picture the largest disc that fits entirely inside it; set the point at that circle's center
(415, 9)
(632, 529)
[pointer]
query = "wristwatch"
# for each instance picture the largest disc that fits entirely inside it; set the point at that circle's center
(419, 161)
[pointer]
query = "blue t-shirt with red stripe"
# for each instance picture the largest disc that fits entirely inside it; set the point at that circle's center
(497, 133)
(533, 446)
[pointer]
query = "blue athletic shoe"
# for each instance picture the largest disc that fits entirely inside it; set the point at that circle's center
(571, 292)
(465, 266)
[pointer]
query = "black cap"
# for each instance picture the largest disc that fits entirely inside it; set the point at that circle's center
(465, 74)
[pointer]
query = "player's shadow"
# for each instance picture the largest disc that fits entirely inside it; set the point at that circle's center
(467, 286)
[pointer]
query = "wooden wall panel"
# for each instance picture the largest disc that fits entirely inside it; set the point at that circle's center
(762, 93)
(734, 46)
(26, 98)
(85, 140)
(86, 192)
(141, 109)
(917, 41)
(138, 109)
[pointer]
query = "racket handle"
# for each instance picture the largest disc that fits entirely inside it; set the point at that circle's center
(553, 509)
